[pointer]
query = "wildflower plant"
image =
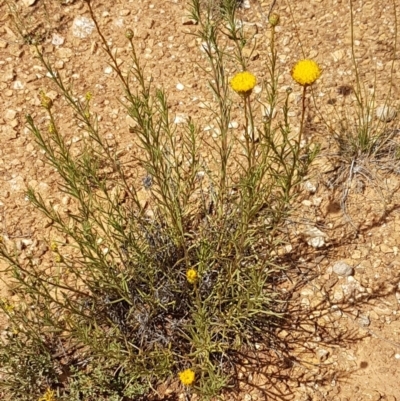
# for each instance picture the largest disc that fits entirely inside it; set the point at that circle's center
(365, 135)
(305, 73)
(142, 290)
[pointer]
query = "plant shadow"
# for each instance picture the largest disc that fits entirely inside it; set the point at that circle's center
(300, 351)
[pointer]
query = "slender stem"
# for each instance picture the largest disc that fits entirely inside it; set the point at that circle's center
(303, 112)
(252, 130)
(247, 129)
(272, 44)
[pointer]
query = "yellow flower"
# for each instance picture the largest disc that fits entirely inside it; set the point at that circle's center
(48, 396)
(306, 72)
(7, 306)
(192, 276)
(187, 377)
(58, 258)
(54, 246)
(243, 83)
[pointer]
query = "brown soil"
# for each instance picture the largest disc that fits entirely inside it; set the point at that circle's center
(351, 324)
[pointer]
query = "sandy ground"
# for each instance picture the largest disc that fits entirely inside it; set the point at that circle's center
(353, 351)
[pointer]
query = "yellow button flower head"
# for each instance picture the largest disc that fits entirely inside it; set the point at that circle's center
(243, 83)
(48, 396)
(192, 276)
(306, 72)
(187, 377)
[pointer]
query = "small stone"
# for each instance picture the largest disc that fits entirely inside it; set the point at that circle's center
(9, 133)
(363, 321)
(385, 249)
(141, 33)
(64, 53)
(205, 48)
(310, 187)
(371, 395)
(188, 21)
(43, 248)
(180, 119)
(205, 105)
(337, 55)
(306, 203)
(59, 64)
(251, 54)
(233, 124)
(317, 201)
(382, 310)
(119, 22)
(316, 242)
(338, 294)
(19, 245)
(7, 76)
(124, 13)
(108, 70)
(314, 237)
(305, 302)
(82, 27)
(27, 242)
(246, 4)
(180, 87)
(322, 354)
(29, 3)
(200, 175)
(257, 89)
(386, 113)
(57, 40)
(247, 397)
(18, 85)
(10, 114)
(342, 269)
(14, 123)
(307, 292)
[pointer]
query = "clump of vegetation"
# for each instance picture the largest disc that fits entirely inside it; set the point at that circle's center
(366, 137)
(175, 283)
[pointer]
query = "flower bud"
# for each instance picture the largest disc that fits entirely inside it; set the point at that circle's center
(45, 101)
(274, 19)
(129, 34)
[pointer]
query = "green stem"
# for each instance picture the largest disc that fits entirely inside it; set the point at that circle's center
(247, 129)
(303, 112)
